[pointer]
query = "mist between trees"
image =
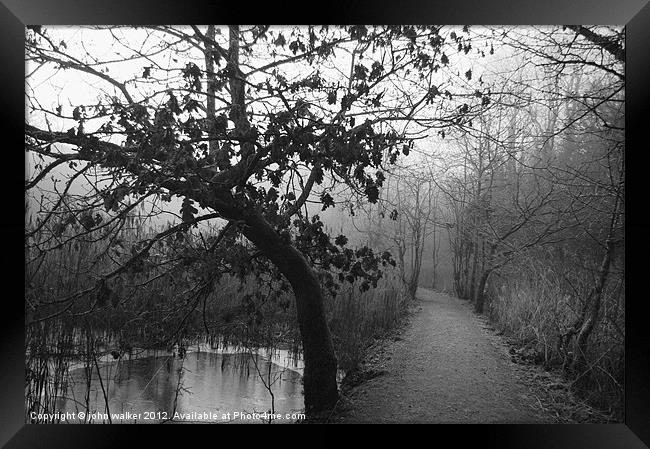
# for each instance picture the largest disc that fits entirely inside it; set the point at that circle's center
(293, 186)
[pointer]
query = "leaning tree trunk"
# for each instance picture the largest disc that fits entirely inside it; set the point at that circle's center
(591, 311)
(592, 306)
(319, 378)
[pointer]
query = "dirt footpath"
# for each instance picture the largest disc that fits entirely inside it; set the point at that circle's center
(444, 367)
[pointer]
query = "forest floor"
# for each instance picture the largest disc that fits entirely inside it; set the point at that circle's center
(446, 364)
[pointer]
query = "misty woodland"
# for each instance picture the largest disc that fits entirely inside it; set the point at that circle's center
(324, 223)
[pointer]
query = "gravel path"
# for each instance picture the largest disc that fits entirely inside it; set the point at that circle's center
(445, 367)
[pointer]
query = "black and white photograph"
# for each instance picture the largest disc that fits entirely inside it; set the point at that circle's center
(277, 224)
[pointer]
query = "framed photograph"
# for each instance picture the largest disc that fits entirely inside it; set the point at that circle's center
(414, 215)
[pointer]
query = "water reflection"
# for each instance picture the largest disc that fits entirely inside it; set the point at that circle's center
(201, 387)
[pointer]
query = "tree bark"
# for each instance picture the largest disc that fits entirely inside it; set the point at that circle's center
(434, 259)
(592, 309)
(319, 378)
(473, 286)
(479, 296)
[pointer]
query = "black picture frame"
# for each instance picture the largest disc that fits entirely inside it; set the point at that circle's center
(635, 14)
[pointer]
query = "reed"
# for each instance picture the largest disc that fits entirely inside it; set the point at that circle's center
(534, 308)
(357, 318)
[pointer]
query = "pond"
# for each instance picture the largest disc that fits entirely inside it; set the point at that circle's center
(203, 386)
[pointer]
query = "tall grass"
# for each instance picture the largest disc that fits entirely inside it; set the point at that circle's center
(356, 318)
(534, 308)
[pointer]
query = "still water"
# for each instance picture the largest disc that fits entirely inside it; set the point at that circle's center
(203, 386)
